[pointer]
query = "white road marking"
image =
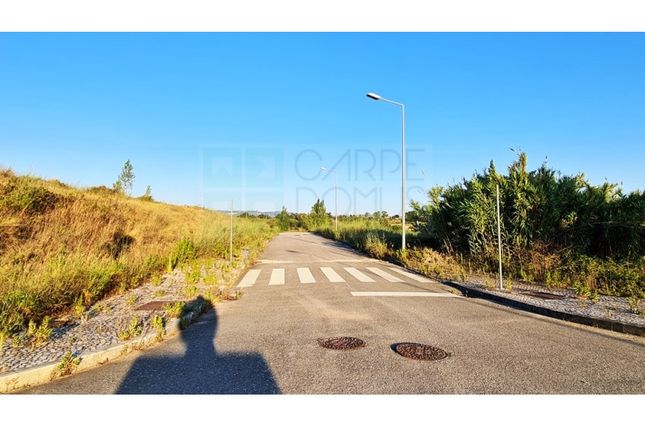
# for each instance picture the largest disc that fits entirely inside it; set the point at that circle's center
(305, 275)
(250, 278)
(358, 274)
(411, 275)
(277, 277)
(383, 274)
(331, 274)
(314, 260)
(401, 294)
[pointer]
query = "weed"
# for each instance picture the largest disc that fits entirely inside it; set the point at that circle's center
(99, 307)
(132, 300)
(593, 295)
(173, 310)
(212, 296)
(582, 290)
(133, 330)
(189, 291)
(375, 246)
(156, 279)
(192, 276)
(68, 363)
(159, 324)
(159, 293)
(489, 282)
(17, 341)
(39, 334)
(634, 303)
(210, 278)
(79, 307)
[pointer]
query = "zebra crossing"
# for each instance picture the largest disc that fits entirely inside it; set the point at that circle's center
(278, 276)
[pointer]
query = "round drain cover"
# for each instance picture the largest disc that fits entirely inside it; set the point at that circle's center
(341, 342)
(419, 351)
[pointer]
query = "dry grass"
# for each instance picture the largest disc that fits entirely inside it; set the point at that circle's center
(381, 242)
(59, 243)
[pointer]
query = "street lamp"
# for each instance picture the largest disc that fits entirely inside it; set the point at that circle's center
(377, 97)
(324, 169)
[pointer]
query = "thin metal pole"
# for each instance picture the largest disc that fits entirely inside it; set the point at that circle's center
(403, 176)
(230, 239)
(499, 242)
(377, 97)
(336, 199)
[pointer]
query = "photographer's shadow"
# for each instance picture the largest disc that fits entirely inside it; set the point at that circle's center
(201, 370)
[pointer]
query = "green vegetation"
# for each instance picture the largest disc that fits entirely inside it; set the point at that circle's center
(317, 218)
(133, 330)
(557, 230)
(147, 196)
(125, 181)
(63, 248)
(68, 363)
(39, 333)
(173, 310)
(159, 324)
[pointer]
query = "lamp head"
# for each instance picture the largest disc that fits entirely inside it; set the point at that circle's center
(374, 96)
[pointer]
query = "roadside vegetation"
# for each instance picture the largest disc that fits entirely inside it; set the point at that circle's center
(316, 218)
(557, 230)
(63, 248)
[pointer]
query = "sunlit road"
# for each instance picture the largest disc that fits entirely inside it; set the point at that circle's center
(306, 287)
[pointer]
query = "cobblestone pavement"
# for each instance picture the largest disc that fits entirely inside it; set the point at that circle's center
(99, 326)
(563, 300)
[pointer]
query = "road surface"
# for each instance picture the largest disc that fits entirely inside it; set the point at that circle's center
(306, 287)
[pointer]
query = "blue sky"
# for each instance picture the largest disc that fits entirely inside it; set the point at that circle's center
(206, 118)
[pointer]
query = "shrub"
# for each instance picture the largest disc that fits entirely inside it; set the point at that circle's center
(79, 307)
(159, 324)
(39, 334)
(374, 246)
(133, 330)
(68, 363)
(24, 194)
(174, 310)
(189, 291)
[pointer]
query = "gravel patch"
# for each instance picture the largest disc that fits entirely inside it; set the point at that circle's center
(563, 300)
(99, 326)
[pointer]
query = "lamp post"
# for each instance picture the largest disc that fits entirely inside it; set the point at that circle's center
(230, 237)
(377, 97)
(324, 169)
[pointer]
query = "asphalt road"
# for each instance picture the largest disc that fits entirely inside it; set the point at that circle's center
(266, 342)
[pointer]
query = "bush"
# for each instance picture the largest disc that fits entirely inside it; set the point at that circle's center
(133, 330)
(24, 194)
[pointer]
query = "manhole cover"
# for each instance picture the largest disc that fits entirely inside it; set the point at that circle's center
(155, 305)
(419, 351)
(543, 295)
(341, 342)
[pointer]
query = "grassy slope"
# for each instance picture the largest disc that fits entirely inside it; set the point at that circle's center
(60, 244)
